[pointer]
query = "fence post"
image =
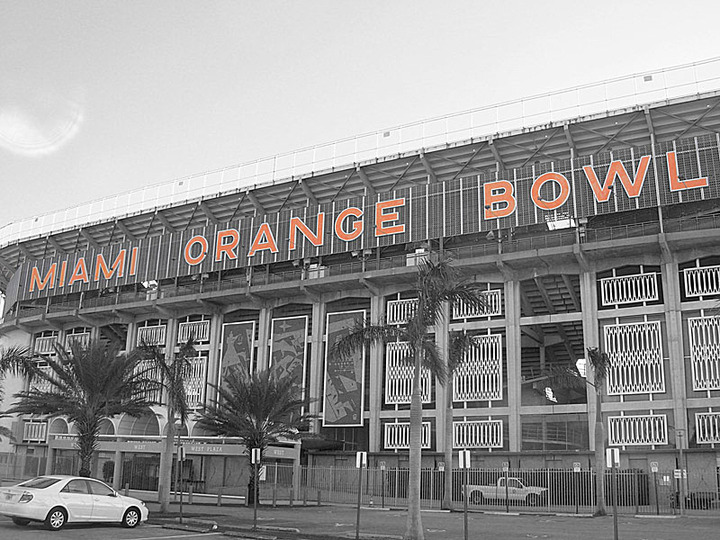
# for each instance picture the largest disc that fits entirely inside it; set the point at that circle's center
(219, 497)
(127, 488)
(319, 493)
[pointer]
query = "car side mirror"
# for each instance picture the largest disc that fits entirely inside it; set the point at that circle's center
(113, 494)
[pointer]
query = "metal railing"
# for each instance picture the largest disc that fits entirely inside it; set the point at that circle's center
(648, 87)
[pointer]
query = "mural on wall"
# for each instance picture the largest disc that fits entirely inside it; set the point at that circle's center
(236, 348)
(344, 377)
(287, 348)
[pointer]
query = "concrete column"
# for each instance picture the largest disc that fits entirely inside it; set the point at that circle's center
(377, 308)
(674, 329)
(513, 348)
(263, 360)
(117, 471)
(317, 360)
(49, 460)
(214, 353)
(591, 337)
(131, 338)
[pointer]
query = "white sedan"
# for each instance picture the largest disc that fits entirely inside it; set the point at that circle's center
(58, 499)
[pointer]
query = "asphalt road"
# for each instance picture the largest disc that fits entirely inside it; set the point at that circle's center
(339, 522)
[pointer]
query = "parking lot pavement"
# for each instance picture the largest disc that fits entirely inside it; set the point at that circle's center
(10, 531)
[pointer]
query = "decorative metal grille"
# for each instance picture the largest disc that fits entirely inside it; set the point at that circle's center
(478, 376)
(399, 375)
(152, 335)
(82, 339)
(40, 384)
(196, 381)
(707, 427)
(493, 306)
(478, 434)
(637, 430)
(34, 432)
(629, 289)
(198, 330)
(397, 435)
(635, 358)
(702, 281)
(704, 333)
(152, 372)
(401, 311)
(45, 344)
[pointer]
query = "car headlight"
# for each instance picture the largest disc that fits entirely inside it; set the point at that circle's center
(26, 497)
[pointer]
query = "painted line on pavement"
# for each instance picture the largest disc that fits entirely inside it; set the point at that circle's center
(179, 536)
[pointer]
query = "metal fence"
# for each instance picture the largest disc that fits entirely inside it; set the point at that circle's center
(635, 491)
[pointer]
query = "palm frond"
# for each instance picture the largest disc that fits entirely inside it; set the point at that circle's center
(432, 359)
(459, 344)
(600, 362)
(17, 361)
(365, 334)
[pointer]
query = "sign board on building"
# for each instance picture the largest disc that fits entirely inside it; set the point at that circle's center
(630, 179)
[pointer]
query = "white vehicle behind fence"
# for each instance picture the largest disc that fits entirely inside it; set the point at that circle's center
(515, 491)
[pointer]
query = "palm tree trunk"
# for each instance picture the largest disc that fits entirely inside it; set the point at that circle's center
(166, 459)
(86, 443)
(447, 503)
(414, 529)
(599, 457)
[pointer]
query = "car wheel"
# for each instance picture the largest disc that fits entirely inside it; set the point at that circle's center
(131, 518)
(22, 522)
(56, 519)
(533, 500)
(476, 497)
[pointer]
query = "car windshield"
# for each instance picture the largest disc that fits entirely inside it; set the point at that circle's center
(41, 482)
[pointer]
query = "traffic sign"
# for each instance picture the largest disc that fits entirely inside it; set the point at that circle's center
(677, 473)
(654, 466)
(262, 473)
(464, 458)
(612, 457)
(441, 466)
(506, 466)
(383, 465)
(576, 466)
(360, 460)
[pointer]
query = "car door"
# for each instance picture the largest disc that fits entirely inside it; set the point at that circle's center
(107, 506)
(76, 497)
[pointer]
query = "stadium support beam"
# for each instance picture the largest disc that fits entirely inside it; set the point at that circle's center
(467, 163)
(259, 208)
(428, 168)
(123, 228)
(25, 251)
(90, 240)
(308, 192)
(55, 245)
(208, 213)
(551, 308)
(697, 120)
(569, 139)
(366, 182)
(573, 295)
(7, 266)
(650, 125)
(610, 138)
(539, 149)
(496, 154)
(164, 221)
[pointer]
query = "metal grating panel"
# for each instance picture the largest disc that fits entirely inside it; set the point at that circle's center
(478, 434)
(704, 334)
(493, 300)
(707, 427)
(478, 377)
(196, 381)
(35, 431)
(83, 339)
(629, 289)
(401, 311)
(636, 358)
(637, 430)
(45, 344)
(397, 435)
(399, 375)
(152, 335)
(198, 330)
(702, 281)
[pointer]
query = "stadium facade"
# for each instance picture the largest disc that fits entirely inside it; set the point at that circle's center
(590, 216)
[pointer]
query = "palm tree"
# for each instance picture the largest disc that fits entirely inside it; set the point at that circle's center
(259, 409)
(14, 361)
(570, 377)
(172, 375)
(437, 283)
(88, 385)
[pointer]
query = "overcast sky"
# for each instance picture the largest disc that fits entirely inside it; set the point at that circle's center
(100, 97)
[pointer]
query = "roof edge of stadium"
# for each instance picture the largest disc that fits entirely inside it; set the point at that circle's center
(420, 149)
